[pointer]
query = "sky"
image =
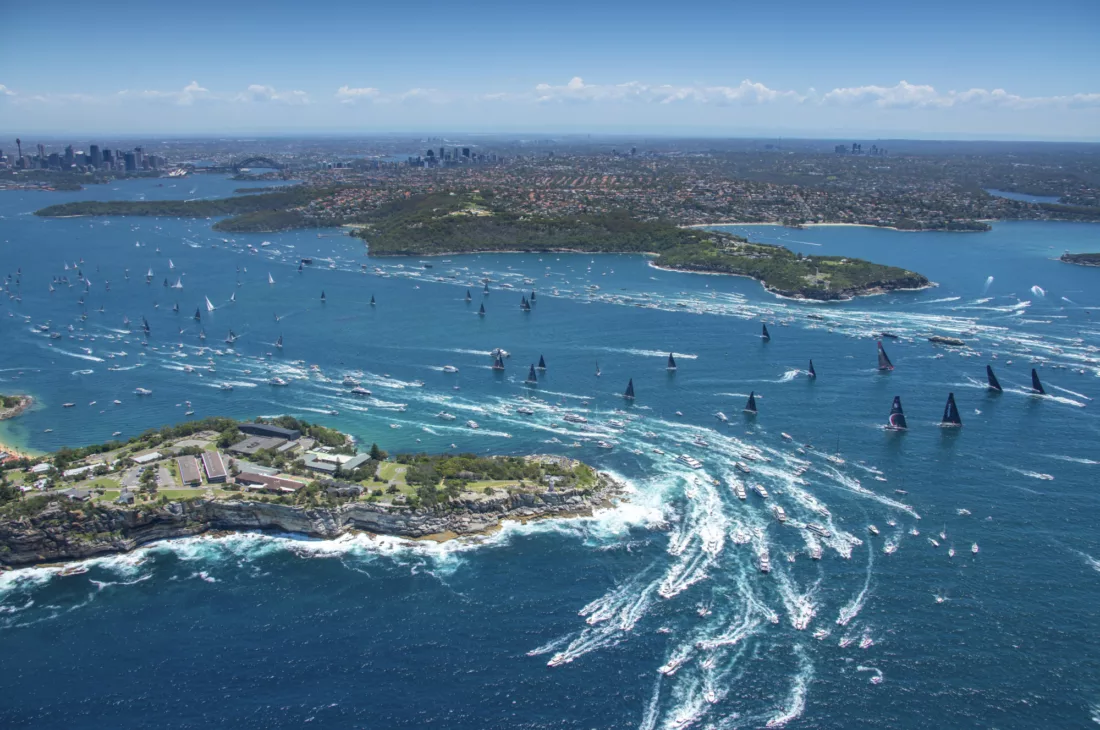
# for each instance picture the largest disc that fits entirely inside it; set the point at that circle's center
(964, 69)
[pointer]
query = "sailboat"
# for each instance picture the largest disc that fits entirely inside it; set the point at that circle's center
(279, 342)
(468, 295)
(299, 267)
(951, 413)
(671, 363)
(542, 363)
(202, 333)
(178, 284)
(1036, 386)
(896, 421)
(323, 297)
(198, 314)
(812, 372)
(481, 312)
(750, 407)
(269, 279)
(532, 379)
(765, 335)
(149, 276)
(125, 321)
(176, 307)
(170, 264)
(498, 364)
(486, 291)
(994, 384)
(883, 361)
(629, 394)
(145, 326)
(597, 368)
(233, 298)
(532, 297)
(231, 337)
(372, 302)
(166, 281)
(209, 305)
(524, 304)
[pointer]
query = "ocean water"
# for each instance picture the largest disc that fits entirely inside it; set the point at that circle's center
(570, 623)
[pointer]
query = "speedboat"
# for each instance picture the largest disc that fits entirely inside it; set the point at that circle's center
(779, 512)
(528, 411)
(278, 381)
(573, 418)
(872, 529)
(472, 424)
(818, 529)
(605, 444)
(721, 417)
(450, 369)
(226, 386)
(446, 416)
(142, 391)
(360, 390)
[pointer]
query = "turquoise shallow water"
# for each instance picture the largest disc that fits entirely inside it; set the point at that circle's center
(262, 631)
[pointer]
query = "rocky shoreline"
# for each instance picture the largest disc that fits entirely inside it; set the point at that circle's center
(66, 531)
(25, 402)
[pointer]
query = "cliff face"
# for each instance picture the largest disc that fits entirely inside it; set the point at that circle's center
(65, 531)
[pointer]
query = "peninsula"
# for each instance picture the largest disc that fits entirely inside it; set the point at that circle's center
(455, 223)
(282, 475)
(1081, 259)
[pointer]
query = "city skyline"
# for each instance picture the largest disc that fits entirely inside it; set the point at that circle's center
(794, 69)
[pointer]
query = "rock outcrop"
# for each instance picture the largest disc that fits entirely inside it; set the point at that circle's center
(68, 531)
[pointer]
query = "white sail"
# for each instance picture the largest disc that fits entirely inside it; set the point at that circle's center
(178, 284)
(209, 306)
(170, 264)
(233, 297)
(150, 274)
(269, 279)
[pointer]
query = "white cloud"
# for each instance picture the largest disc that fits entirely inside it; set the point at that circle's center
(184, 97)
(261, 93)
(349, 95)
(913, 96)
(747, 92)
(5, 91)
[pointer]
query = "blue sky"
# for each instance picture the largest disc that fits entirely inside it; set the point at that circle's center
(786, 67)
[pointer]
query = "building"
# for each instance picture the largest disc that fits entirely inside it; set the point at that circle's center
(329, 463)
(263, 483)
(264, 429)
(147, 458)
(215, 468)
(131, 161)
(252, 444)
(189, 471)
(93, 155)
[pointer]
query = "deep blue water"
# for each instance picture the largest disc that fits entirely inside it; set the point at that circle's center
(271, 631)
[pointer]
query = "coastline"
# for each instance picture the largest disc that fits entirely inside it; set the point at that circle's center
(14, 412)
(779, 293)
(66, 531)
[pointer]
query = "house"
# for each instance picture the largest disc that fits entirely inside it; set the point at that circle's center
(268, 431)
(189, 471)
(215, 468)
(78, 495)
(263, 483)
(41, 468)
(125, 497)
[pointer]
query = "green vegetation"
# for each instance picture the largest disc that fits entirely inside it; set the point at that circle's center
(1084, 259)
(442, 223)
(269, 211)
(790, 274)
(431, 480)
(10, 401)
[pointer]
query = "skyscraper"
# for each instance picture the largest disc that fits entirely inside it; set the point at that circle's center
(93, 155)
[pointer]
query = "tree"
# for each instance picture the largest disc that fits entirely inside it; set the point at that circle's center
(149, 480)
(377, 454)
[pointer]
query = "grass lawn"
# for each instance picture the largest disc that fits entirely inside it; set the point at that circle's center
(100, 483)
